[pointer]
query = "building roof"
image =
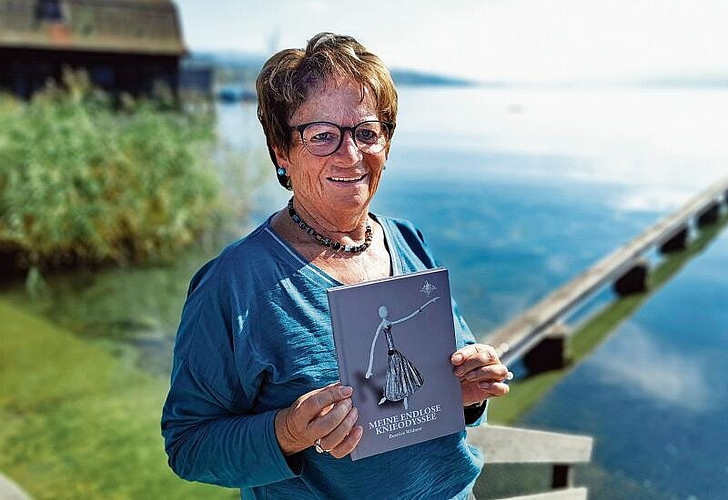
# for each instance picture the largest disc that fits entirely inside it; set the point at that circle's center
(125, 26)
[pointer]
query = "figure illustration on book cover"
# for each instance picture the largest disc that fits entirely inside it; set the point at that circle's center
(403, 378)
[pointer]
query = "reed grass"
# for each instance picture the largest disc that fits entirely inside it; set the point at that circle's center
(86, 179)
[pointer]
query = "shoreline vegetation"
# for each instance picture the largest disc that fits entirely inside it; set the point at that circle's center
(104, 205)
(88, 179)
(80, 422)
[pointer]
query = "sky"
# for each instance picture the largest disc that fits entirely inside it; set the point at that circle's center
(487, 40)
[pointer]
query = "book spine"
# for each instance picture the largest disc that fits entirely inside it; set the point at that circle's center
(337, 327)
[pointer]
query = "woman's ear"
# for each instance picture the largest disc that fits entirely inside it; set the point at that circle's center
(281, 157)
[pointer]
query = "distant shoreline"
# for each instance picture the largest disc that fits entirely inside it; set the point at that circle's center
(243, 68)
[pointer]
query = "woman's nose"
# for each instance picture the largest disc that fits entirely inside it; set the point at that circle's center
(348, 148)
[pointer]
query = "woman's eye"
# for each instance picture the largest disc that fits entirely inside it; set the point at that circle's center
(322, 137)
(367, 135)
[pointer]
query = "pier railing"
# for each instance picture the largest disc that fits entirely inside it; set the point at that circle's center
(508, 445)
(625, 268)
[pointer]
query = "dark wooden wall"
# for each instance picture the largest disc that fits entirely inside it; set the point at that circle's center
(24, 71)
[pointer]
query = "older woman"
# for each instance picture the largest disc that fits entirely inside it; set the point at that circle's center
(254, 397)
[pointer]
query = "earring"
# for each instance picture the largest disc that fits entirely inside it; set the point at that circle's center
(281, 171)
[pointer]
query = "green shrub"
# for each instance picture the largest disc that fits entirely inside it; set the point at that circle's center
(83, 181)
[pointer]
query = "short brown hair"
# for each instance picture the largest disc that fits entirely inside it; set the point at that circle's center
(287, 77)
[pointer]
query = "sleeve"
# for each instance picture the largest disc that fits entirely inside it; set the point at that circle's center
(210, 430)
(476, 415)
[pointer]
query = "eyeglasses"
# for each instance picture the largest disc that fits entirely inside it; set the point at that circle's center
(325, 138)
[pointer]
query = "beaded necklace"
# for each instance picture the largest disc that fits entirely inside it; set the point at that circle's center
(328, 242)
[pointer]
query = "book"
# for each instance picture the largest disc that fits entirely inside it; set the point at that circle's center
(394, 338)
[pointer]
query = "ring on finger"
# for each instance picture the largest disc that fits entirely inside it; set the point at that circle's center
(318, 447)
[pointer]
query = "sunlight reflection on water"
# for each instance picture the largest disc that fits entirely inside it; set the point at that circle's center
(637, 360)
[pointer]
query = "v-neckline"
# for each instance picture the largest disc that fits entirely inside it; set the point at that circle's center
(312, 269)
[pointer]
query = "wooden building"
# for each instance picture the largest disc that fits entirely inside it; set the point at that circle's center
(125, 45)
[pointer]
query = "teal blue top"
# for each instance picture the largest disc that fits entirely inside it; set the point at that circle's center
(255, 334)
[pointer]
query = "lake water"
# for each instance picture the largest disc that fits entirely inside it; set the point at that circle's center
(519, 190)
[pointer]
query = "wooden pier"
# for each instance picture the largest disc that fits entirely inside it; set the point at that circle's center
(538, 336)
(540, 331)
(508, 445)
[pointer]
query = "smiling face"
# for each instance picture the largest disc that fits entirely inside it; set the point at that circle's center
(343, 183)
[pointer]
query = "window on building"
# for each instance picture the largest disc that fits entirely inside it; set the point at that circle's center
(48, 10)
(103, 76)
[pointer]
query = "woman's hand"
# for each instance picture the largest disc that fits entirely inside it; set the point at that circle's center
(481, 373)
(326, 414)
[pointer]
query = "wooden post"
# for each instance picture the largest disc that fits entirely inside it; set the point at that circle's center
(562, 476)
(676, 242)
(709, 214)
(550, 352)
(634, 280)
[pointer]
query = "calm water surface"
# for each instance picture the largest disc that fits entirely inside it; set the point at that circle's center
(518, 191)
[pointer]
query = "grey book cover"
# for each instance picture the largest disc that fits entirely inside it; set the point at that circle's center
(394, 338)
